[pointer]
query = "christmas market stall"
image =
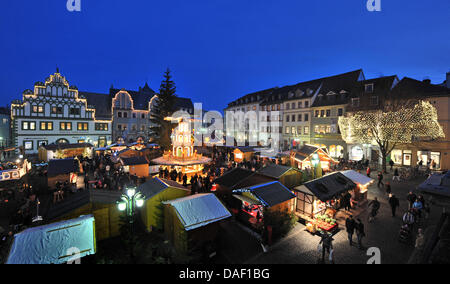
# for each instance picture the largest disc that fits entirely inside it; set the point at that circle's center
(65, 150)
(138, 166)
(156, 191)
(63, 170)
(288, 176)
(318, 201)
(242, 154)
(363, 182)
(273, 196)
(192, 222)
(56, 243)
(308, 155)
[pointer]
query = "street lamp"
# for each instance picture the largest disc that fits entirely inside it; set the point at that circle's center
(129, 201)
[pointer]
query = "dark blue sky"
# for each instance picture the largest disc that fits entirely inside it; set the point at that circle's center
(218, 50)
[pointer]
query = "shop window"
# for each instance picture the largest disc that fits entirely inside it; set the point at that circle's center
(28, 145)
(397, 157)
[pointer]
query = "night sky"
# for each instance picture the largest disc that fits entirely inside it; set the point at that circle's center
(218, 50)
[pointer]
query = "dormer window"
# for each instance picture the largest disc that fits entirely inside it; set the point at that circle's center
(355, 102)
(369, 88)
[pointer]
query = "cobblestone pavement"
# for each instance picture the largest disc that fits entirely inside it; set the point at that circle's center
(300, 247)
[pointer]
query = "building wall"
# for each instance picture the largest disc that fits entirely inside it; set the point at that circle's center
(51, 104)
(5, 130)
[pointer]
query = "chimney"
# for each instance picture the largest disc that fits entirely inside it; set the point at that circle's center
(448, 80)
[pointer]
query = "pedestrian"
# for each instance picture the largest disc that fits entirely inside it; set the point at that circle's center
(394, 203)
(360, 232)
(391, 163)
(327, 245)
(396, 175)
(86, 182)
(350, 225)
(374, 205)
(411, 199)
(420, 239)
(380, 179)
(388, 188)
(368, 171)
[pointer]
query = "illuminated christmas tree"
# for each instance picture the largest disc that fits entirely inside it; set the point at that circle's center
(387, 129)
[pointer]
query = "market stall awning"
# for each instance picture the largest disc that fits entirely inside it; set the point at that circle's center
(330, 186)
(269, 194)
(437, 184)
(249, 200)
(54, 243)
(357, 177)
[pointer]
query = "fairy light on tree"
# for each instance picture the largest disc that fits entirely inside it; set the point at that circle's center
(387, 129)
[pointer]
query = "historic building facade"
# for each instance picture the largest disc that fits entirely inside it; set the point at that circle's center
(54, 112)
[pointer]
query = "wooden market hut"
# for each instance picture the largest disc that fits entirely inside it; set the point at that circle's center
(273, 196)
(191, 222)
(235, 179)
(129, 153)
(302, 157)
(63, 170)
(64, 151)
(156, 191)
(242, 154)
(100, 203)
(317, 196)
(288, 176)
(136, 166)
(362, 182)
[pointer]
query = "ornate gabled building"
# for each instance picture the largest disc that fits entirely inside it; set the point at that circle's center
(55, 112)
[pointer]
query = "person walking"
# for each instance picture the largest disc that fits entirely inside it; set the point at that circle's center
(388, 188)
(368, 171)
(327, 245)
(86, 182)
(350, 225)
(360, 232)
(411, 197)
(375, 206)
(396, 175)
(380, 179)
(391, 163)
(394, 203)
(420, 239)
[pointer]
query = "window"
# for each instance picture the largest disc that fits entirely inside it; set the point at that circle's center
(316, 114)
(38, 109)
(328, 113)
(134, 115)
(42, 143)
(306, 103)
(119, 114)
(74, 111)
(28, 145)
(83, 126)
(65, 126)
(101, 126)
(293, 118)
(369, 88)
(299, 117)
(374, 100)
(287, 106)
(306, 117)
(328, 129)
(143, 116)
(299, 104)
(287, 118)
(287, 130)
(340, 112)
(322, 113)
(101, 141)
(293, 105)
(355, 102)
(28, 125)
(57, 110)
(125, 114)
(133, 127)
(293, 129)
(299, 130)
(306, 130)
(316, 129)
(46, 125)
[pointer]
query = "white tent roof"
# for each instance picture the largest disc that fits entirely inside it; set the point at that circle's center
(357, 177)
(199, 210)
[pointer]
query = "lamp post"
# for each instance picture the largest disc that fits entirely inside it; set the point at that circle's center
(128, 202)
